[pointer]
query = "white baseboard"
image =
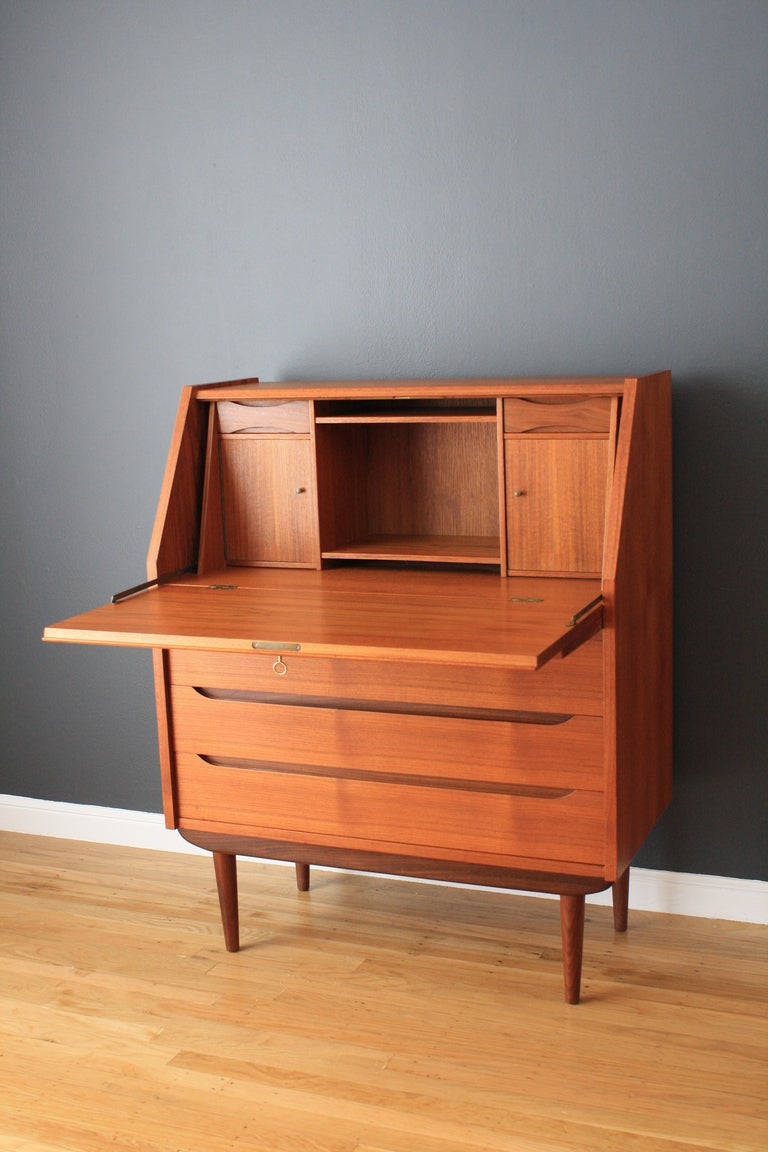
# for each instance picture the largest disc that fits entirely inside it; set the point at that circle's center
(120, 826)
(681, 893)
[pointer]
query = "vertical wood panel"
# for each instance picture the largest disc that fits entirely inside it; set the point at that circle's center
(637, 590)
(268, 487)
(433, 480)
(212, 553)
(160, 665)
(557, 523)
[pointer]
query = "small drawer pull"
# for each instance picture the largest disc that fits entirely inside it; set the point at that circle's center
(280, 667)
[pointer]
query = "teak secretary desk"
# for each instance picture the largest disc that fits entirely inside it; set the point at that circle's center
(415, 627)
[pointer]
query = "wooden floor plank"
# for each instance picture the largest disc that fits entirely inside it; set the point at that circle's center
(367, 1015)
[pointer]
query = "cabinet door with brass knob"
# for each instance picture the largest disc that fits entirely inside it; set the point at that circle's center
(555, 505)
(267, 501)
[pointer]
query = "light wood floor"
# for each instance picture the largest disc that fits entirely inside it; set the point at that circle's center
(367, 1015)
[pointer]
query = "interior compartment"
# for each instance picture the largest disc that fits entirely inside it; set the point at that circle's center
(410, 490)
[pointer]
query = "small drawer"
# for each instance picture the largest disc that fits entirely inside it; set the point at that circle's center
(504, 749)
(263, 417)
(589, 415)
(571, 684)
(387, 816)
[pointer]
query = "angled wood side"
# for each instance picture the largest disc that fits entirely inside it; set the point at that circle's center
(176, 533)
(637, 591)
(173, 546)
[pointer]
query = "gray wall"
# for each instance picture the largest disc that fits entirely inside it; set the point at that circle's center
(196, 190)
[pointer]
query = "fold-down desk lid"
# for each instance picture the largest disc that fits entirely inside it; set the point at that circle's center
(440, 617)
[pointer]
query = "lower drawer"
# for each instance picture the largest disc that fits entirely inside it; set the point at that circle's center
(558, 826)
(555, 750)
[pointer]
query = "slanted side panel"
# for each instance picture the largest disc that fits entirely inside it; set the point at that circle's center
(176, 533)
(637, 617)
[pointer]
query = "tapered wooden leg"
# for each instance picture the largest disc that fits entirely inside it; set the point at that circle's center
(572, 929)
(621, 902)
(302, 876)
(225, 866)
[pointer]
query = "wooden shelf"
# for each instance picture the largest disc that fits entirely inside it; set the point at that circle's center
(427, 416)
(435, 549)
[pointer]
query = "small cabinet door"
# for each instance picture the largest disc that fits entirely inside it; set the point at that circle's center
(555, 505)
(267, 501)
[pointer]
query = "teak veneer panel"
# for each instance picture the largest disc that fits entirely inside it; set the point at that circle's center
(637, 584)
(421, 819)
(264, 417)
(476, 618)
(554, 415)
(431, 480)
(176, 534)
(448, 388)
(544, 749)
(267, 500)
(556, 505)
(573, 685)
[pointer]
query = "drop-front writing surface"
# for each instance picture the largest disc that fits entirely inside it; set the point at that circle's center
(418, 627)
(439, 617)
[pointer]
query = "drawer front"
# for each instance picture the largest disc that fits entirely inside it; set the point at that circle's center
(572, 684)
(535, 749)
(264, 417)
(410, 818)
(564, 415)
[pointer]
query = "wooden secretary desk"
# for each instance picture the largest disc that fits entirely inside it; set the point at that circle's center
(414, 627)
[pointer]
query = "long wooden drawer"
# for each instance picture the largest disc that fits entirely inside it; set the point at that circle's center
(572, 684)
(552, 749)
(416, 817)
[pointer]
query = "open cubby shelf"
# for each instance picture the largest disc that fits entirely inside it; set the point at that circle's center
(440, 549)
(405, 409)
(414, 416)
